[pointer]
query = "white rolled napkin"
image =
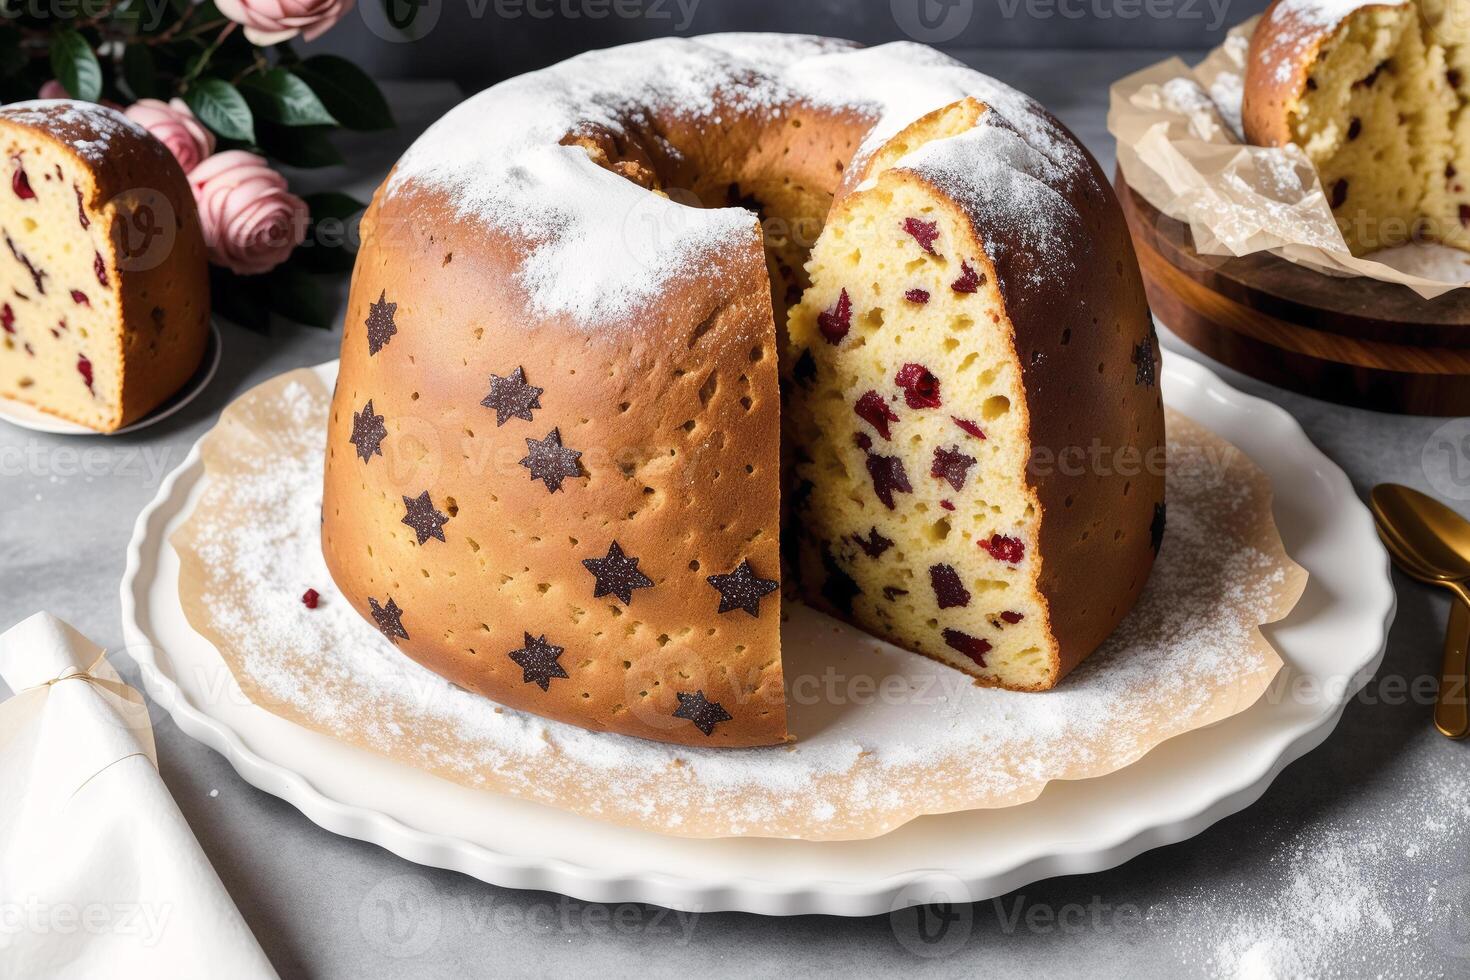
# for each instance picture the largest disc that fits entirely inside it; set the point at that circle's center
(99, 873)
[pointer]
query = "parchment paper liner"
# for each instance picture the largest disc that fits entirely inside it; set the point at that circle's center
(862, 764)
(1180, 147)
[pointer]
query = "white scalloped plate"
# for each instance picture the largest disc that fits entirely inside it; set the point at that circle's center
(1331, 644)
(30, 417)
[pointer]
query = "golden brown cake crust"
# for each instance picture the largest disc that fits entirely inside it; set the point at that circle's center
(1283, 51)
(155, 242)
(673, 403)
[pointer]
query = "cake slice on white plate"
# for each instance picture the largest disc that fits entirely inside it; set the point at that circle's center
(104, 288)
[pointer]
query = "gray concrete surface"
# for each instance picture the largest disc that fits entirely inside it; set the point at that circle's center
(1354, 863)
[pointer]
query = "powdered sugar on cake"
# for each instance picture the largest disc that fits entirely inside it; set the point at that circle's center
(87, 116)
(598, 247)
(883, 735)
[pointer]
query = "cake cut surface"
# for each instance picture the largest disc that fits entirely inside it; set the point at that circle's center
(103, 286)
(665, 328)
(1375, 94)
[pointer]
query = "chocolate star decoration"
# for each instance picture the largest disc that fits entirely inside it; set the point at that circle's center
(538, 661)
(551, 462)
(1145, 372)
(511, 397)
(704, 713)
(389, 619)
(1156, 529)
(368, 432)
(423, 518)
(741, 589)
(617, 574)
(380, 325)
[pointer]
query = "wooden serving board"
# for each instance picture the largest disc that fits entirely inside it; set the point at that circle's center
(1349, 340)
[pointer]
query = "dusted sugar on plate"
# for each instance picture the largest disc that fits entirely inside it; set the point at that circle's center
(882, 735)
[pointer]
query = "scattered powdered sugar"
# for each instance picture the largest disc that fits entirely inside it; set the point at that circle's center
(1327, 13)
(105, 123)
(597, 247)
(1311, 902)
(933, 742)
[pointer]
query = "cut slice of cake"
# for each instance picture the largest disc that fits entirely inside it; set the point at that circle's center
(104, 294)
(934, 394)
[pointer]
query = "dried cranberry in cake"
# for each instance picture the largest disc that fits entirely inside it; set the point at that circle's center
(100, 267)
(80, 298)
(969, 281)
(7, 318)
(862, 440)
(309, 598)
(82, 218)
(1012, 617)
(874, 544)
(949, 591)
(1003, 548)
(919, 296)
(969, 427)
(836, 322)
(920, 386)
(947, 504)
(873, 409)
(926, 233)
(888, 477)
(20, 183)
(84, 368)
(951, 466)
(973, 647)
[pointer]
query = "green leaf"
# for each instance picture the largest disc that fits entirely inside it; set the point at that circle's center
(348, 93)
(75, 65)
(283, 98)
(140, 72)
(296, 295)
(238, 299)
(333, 204)
(300, 146)
(330, 244)
(221, 107)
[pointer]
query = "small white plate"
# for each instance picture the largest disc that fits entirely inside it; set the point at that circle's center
(1331, 644)
(30, 417)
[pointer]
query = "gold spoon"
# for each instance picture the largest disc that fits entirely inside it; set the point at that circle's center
(1431, 543)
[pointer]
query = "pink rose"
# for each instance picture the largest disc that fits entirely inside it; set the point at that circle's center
(251, 221)
(53, 90)
(176, 128)
(274, 21)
